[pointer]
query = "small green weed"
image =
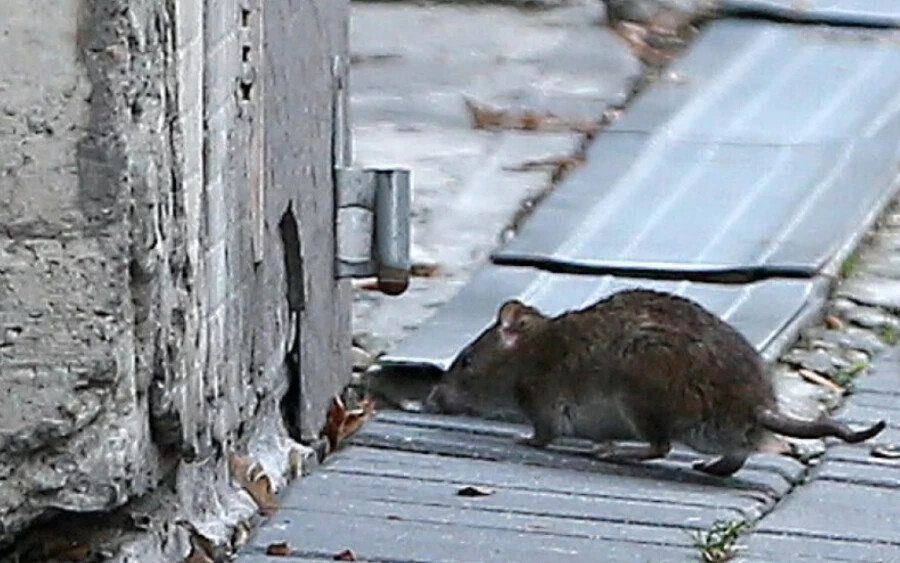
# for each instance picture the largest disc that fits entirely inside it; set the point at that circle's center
(889, 335)
(719, 543)
(850, 265)
(846, 375)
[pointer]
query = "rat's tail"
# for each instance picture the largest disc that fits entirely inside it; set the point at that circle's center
(819, 428)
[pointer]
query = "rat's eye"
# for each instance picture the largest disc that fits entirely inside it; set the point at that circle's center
(466, 359)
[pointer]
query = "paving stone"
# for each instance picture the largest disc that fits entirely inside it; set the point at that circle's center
(820, 361)
(849, 337)
(881, 263)
(560, 480)
(847, 512)
(879, 292)
(828, 509)
(874, 472)
(560, 61)
(880, 381)
(771, 547)
(249, 557)
(866, 317)
(441, 536)
(398, 506)
(767, 476)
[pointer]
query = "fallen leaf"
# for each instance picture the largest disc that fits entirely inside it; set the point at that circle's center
(638, 38)
(834, 323)
(263, 494)
(240, 468)
(341, 423)
(484, 117)
(818, 379)
(251, 476)
(564, 162)
(346, 555)
(281, 549)
(474, 491)
(886, 451)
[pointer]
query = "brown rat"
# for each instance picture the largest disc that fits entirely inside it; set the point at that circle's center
(639, 365)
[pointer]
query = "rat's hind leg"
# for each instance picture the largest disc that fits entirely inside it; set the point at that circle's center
(648, 427)
(723, 466)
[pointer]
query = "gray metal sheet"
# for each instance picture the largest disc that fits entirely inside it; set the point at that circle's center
(767, 150)
(761, 310)
(840, 12)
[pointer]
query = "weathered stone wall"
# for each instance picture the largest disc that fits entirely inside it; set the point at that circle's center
(165, 250)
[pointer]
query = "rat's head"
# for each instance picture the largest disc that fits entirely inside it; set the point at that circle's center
(482, 379)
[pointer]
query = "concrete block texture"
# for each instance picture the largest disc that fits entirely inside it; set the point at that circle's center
(142, 338)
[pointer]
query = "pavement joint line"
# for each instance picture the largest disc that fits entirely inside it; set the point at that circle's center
(525, 530)
(586, 495)
(829, 537)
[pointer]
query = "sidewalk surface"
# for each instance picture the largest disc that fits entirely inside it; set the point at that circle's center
(801, 125)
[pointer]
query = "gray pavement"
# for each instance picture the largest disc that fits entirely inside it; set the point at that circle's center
(392, 493)
(413, 69)
(850, 508)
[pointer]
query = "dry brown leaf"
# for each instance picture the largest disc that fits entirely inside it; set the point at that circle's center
(240, 468)
(253, 479)
(281, 549)
(263, 494)
(341, 423)
(565, 162)
(834, 323)
(483, 117)
(819, 379)
(346, 555)
(475, 491)
(637, 37)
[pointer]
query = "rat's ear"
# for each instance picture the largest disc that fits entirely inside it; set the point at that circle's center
(509, 322)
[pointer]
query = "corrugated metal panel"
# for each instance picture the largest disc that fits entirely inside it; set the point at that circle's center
(761, 311)
(885, 13)
(764, 151)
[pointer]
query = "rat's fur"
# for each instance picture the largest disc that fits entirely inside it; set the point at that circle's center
(638, 365)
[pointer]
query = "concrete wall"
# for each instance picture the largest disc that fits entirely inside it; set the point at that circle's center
(161, 174)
